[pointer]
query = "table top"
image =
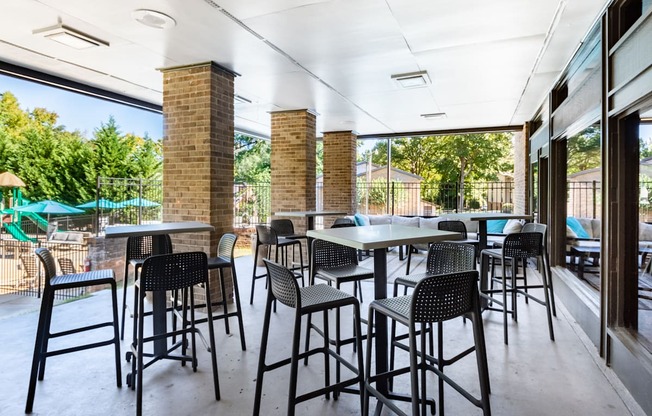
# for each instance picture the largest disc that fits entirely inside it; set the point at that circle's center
(118, 231)
(485, 216)
(381, 236)
(308, 213)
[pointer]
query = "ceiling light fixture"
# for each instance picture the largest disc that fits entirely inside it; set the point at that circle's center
(412, 79)
(433, 116)
(241, 100)
(70, 37)
(154, 19)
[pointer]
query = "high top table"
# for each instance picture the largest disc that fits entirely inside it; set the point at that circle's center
(158, 233)
(309, 215)
(378, 238)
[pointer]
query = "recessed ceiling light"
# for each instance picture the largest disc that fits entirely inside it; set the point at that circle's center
(433, 116)
(152, 18)
(412, 79)
(70, 37)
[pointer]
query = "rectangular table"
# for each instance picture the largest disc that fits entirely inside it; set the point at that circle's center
(158, 233)
(378, 238)
(309, 215)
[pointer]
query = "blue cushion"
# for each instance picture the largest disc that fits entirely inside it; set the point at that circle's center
(360, 220)
(577, 228)
(495, 226)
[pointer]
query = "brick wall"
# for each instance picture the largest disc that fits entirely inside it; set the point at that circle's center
(521, 171)
(339, 173)
(293, 163)
(198, 154)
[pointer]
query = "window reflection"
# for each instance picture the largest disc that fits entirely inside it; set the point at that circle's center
(644, 299)
(583, 205)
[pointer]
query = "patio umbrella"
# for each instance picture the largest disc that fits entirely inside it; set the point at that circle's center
(9, 180)
(138, 202)
(101, 203)
(48, 207)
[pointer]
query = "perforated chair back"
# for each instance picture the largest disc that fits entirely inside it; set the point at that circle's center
(455, 226)
(266, 235)
(282, 227)
(283, 284)
(326, 255)
(523, 245)
(226, 246)
(141, 247)
(174, 271)
(536, 227)
(447, 257)
(49, 264)
(66, 265)
(443, 297)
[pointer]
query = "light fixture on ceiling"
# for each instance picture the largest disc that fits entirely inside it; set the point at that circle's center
(70, 37)
(412, 79)
(433, 116)
(152, 18)
(239, 99)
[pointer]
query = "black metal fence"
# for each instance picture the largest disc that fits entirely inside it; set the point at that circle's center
(139, 201)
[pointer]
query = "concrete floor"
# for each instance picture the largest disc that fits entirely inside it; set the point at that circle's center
(531, 376)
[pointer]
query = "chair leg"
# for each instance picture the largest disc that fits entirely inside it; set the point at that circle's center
(225, 307)
(367, 366)
(211, 334)
(41, 333)
(294, 365)
(440, 365)
(327, 366)
(254, 277)
(409, 259)
(125, 283)
(263, 353)
(546, 269)
(414, 379)
(116, 334)
(236, 293)
(544, 278)
(139, 358)
(481, 359)
(46, 336)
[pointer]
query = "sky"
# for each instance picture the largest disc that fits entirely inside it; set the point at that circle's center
(80, 112)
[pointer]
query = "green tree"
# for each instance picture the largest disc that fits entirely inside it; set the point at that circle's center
(252, 159)
(583, 150)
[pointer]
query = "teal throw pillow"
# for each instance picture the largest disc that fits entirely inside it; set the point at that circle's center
(577, 228)
(495, 226)
(360, 220)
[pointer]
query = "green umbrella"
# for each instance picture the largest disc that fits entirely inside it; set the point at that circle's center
(101, 203)
(138, 202)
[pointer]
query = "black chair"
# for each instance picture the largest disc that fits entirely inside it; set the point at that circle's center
(443, 258)
(266, 236)
(225, 260)
(517, 247)
(138, 249)
(172, 272)
(54, 283)
(536, 227)
(305, 301)
(435, 299)
(343, 222)
(285, 228)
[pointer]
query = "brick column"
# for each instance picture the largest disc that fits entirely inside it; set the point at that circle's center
(521, 171)
(198, 152)
(339, 172)
(293, 163)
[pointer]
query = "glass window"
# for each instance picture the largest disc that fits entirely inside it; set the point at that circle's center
(583, 205)
(644, 298)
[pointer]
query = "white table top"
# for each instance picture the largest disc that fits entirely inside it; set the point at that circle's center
(118, 231)
(308, 213)
(381, 236)
(485, 216)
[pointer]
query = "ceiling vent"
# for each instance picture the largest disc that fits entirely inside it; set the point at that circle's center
(70, 37)
(412, 79)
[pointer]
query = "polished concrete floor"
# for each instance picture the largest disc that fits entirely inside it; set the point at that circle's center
(530, 376)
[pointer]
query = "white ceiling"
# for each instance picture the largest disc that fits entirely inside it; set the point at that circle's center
(490, 62)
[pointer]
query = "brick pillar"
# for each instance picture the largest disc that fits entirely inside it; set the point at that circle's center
(293, 163)
(198, 153)
(521, 171)
(339, 173)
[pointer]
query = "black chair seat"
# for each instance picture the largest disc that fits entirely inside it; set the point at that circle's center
(410, 280)
(323, 296)
(96, 277)
(347, 273)
(217, 263)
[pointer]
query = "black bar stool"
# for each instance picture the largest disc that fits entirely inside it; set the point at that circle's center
(43, 335)
(435, 299)
(225, 260)
(306, 300)
(267, 236)
(172, 272)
